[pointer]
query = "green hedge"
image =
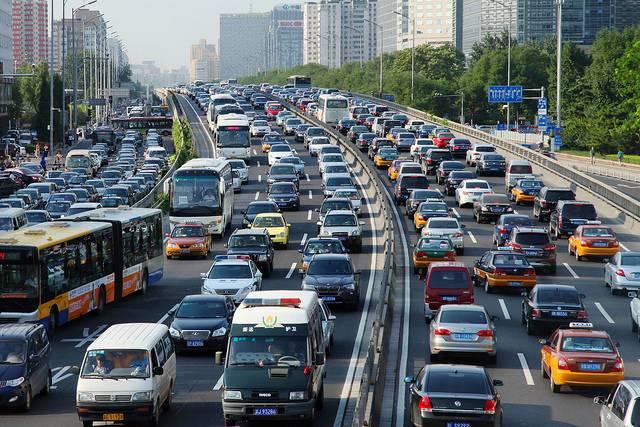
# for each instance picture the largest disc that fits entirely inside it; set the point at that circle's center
(182, 141)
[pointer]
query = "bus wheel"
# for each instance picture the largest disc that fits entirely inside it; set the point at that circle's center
(145, 283)
(53, 321)
(101, 301)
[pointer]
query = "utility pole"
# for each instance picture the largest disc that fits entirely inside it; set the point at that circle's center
(558, 69)
(381, 41)
(51, 86)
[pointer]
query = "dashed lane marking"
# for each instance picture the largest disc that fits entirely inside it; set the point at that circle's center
(257, 195)
(309, 215)
(304, 239)
(624, 248)
(310, 195)
(472, 237)
(291, 270)
(570, 270)
(604, 312)
(505, 310)
(525, 369)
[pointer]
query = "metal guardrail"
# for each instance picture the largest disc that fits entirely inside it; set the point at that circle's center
(605, 192)
(366, 401)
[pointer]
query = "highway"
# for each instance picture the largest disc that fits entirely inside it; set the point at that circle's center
(197, 395)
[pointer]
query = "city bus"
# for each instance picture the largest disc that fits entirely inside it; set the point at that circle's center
(216, 101)
(55, 272)
(233, 138)
(332, 108)
(202, 191)
(160, 110)
(107, 135)
(162, 124)
(299, 82)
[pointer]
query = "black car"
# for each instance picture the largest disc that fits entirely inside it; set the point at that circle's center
(255, 208)
(433, 159)
(418, 196)
(8, 186)
(364, 140)
(407, 182)
(355, 131)
(459, 147)
(445, 168)
(536, 245)
(491, 164)
(568, 215)
(547, 200)
(283, 173)
(253, 242)
(454, 395)
(551, 306)
(490, 206)
(300, 131)
(24, 362)
(454, 179)
(285, 195)
(333, 277)
(345, 124)
(201, 322)
(376, 144)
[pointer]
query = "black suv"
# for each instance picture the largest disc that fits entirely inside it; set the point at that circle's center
(333, 277)
(536, 245)
(547, 199)
(454, 179)
(434, 157)
(490, 207)
(491, 163)
(445, 168)
(568, 215)
(552, 306)
(255, 208)
(459, 147)
(254, 242)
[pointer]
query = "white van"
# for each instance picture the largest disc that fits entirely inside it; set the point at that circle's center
(156, 152)
(79, 159)
(140, 361)
(12, 219)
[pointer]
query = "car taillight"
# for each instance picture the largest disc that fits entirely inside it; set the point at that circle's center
(618, 366)
(442, 332)
(543, 203)
(514, 246)
(489, 406)
(425, 405)
(458, 234)
(563, 364)
(550, 247)
(620, 272)
(614, 244)
(485, 333)
(584, 243)
(429, 160)
(535, 312)
(502, 230)
(450, 255)
(582, 314)
(500, 272)
(419, 254)
(530, 271)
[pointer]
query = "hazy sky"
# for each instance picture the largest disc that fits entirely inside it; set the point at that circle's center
(164, 30)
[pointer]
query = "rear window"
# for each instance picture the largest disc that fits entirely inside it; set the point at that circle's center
(438, 155)
(448, 279)
(412, 169)
(414, 182)
(585, 211)
(493, 157)
(497, 198)
(520, 169)
(558, 296)
(630, 260)
(555, 195)
(485, 149)
(436, 225)
(532, 239)
(473, 317)
(457, 382)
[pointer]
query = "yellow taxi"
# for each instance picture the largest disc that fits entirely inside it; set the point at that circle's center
(429, 209)
(526, 190)
(269, 139)
(593, 240)
(580, 356)
(393, 170)
(432, 249)
(187, 240)
(276, 226)
(503, 268)
(385, 157)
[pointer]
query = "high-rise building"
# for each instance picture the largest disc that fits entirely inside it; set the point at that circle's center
(6, 63)
(627, 13)
(311, 33)
(30, 35)
(389, 23)
(285, 37)
(204, 61)
(433, 23)
(485, 17)
(66, 46)
(242, 43)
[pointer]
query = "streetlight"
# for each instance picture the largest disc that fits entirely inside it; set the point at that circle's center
(361, 42)
(509, 6)
(457, 95)
(413, 47)
(75, 67)
(558, 67)
(381, 51)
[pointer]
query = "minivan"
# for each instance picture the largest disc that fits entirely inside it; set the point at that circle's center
(569, 214)
(12, 219)
(446, 283)
(140, 361)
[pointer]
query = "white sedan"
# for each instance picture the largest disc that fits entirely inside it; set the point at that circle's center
(316, 144)
(280, 151)
(260, 128)
(470, 190)
(446, 227)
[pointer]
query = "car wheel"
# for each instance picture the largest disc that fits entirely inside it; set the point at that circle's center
(26, 406)
(554, 387)
(578, 256)
(47, 386)
(542, 370)
(155, 418)
(167, 402)
(487, 288)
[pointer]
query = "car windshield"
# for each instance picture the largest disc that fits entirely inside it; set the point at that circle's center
(257, 123)
(283, 188)
(111, 174)
(280, 148)
(532, 239)
(424, 194)
(333, 158)
(268, 221)
(12, 352)
(348, 194)
(336, 169)
(116, 364)
(517, 220)
(443, 224)
(333, 205)
(431, 244)
(411, 169)
(291, 160)
(587, 344)
(237, 164)
(6, 224)
(338, 181)
(520, 169)
(201, 309)
(290, 351)
(283, 170)
(448, 279)
(248, 241)
(326, 267)
(188, 232)
(555, 195)
(110, 202)
(479, 185)
(630, 260)
(32, 216)
(558, 296)
(433, 207)
(254, 209)
(293, 122)
(273, 138)
(323, 247)
(340, 221)
(457, 382)
(230, 271)
(598, 232)
(510, 260)
(58, 206)
(315, 132)
(473, 317)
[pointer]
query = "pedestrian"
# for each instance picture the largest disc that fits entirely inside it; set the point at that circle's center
(593, 155)
(43, 163)
(46, 150)
(58, 160)
(620, 156)
(37, 150)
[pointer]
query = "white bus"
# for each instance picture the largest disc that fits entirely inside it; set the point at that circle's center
(233, 139)
(79, 159)
(332, 108)
(216, 100)
(202, 191)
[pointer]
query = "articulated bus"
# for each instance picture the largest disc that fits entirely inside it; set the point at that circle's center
(202, 191)
(299, 82)
(233, 138)
(143, 124)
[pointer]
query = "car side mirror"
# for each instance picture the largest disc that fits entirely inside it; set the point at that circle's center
(203, 276)
(225, 245)
(543, 342)
(166, 234)
(172, 312)
(158, 370)
(258, 273)
(494, 318)
(74, 370)
(242, 212)
(300, 251)
(410, 379)
(463, 226)
(600, 400)
(316, 210)
(362, 222)
(319, 358)
(498, 383)
(582, 296)
(524, 294)
(319, 224)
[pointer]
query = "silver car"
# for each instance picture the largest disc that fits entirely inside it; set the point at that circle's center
(459, 328)
(327, 327)
(622, 272)
(622, 406)
(446, 227)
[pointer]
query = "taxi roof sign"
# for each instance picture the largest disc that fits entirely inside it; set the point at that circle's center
(267, 302)
(581, 325)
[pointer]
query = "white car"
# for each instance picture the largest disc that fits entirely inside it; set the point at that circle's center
(353, 195)
(328, 320)
(477, 150)
(316, 144)
(260, 128)
(280, 151)
(344, 225)
(242, 168)
(421, 142)
(233, 275)
(414, 124)
(446, 227)
(330, 158)
(470, 190)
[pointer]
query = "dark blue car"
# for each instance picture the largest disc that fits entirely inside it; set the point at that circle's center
(285, 195)
(506, 223)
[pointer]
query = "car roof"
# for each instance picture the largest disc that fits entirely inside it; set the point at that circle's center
(441, 367)
(129, 336)
(17, 330)
(340, 212)
(519, 162)
(339, 257)
(448, 264)
(556, 286)
(462, 307)
(204, 297)
(577, 332)
(249, 231)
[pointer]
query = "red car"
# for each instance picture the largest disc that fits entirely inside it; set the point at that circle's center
(446, 283)
(274, 109)
(442, 139)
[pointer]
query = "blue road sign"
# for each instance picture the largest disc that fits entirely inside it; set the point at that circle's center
(542, 121)
(503, 94)
(542, 104)
(557, 140)
(501, 126)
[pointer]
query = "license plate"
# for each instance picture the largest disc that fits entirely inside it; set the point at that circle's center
(531, 253)
(184, 251)
(478, 194)
(448, 299)
(265, 411)
(599, 245)
(590, 367)
(195, 343)
(112, 417)
(282, 203)
(464, 337)
(515, 283)
(559, 314)
(329, 299)
(458, 424)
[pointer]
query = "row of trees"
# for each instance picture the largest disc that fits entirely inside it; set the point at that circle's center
(600, 87)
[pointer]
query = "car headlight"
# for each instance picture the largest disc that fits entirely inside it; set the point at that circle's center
(484, 209)
(350, 286)
(174, 332)
(219, 332)
(14, 383)
(205, 290)
(141, 396)
(262, 258)
(197, 246)
(355, 232)
(85, 397)
(232, 395)
(297, 395)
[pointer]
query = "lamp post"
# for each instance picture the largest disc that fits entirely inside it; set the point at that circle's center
(51, 85)
(75, 67)
(381, 52)
(413, 48)
(508, 5)
(558, 67)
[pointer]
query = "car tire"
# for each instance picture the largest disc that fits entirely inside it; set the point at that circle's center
(487, 288)
(47, 386)
(555, 388)
(26, 406)
(577, 254)
(155, 417)
(320, 399)
(543, 373)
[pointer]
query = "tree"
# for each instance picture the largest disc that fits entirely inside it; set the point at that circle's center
(41, 119)
(488, 44)
(125, 73)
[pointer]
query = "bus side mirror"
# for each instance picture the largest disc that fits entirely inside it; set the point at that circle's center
(319, 359)
(74, 370)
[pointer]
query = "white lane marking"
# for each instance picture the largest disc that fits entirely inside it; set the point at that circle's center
(310, 195)
(309, 215)
(525, 369)
(259, 178)
(56, 369)
(204, 128)
(505, 310)
(91, 337)
(306, 175)
(455, 212)
(472, 237)
(624, 248)
(515, 212)
(291, 270)
(166, 315)
(304, 239)
(258, 163)
(257, 195)
(218, 385)
(61, 375)
(85, 332)
(352, 372)
(571, 271)
(253, 151)
(604, 312)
